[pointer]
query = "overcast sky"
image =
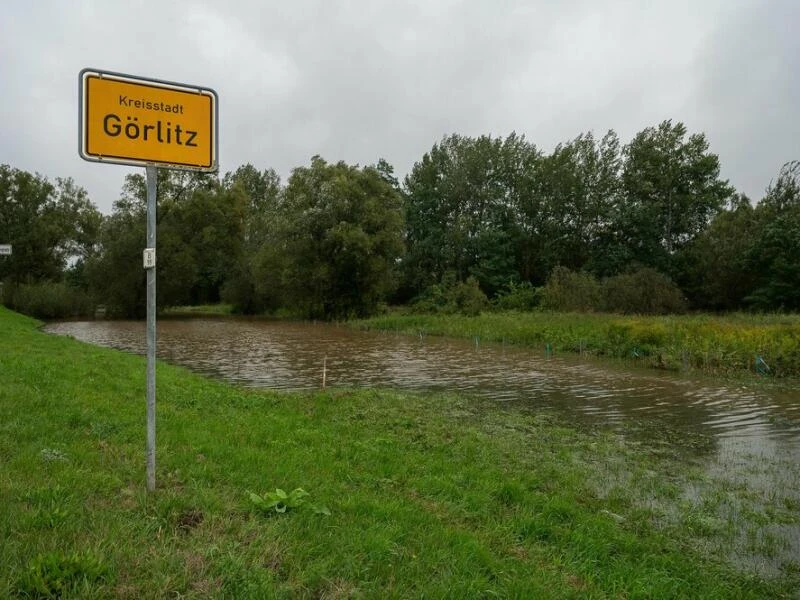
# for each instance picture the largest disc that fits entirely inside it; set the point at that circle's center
(362, 80)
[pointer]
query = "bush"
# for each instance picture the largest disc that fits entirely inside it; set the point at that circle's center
(567, 290)
(518, 296)
(645, 292)
(469, 298)
(240, 292)
(451, 297)
(48, 300)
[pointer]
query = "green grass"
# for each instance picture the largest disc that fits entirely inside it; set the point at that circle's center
(765, 344)
(433, 496)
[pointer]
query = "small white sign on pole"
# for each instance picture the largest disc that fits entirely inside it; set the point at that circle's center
(149, 258)
(5, 249)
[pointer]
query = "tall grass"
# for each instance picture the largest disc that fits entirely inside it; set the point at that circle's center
(48, 300)
(767, 344)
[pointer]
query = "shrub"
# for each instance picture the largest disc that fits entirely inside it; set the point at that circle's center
(518, 296)
(451, 297)
(567, 290)
(645, 292)
(240, 292)
(48, 300)
(469, 298)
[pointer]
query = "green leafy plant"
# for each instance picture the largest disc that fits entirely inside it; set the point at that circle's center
(518, 296)
(280, 502)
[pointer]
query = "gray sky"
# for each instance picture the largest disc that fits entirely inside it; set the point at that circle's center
(361, 80)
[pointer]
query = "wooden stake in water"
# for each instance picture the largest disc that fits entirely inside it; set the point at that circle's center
(324, 370)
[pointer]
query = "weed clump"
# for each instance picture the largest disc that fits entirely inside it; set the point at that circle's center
(54, 574)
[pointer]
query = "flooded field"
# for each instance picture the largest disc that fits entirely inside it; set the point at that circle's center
(741, 440)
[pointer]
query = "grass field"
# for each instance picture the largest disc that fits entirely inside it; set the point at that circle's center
(767, 345)
(434, 496)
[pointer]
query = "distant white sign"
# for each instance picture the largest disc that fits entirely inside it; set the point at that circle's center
(149, 258)
(5, 249)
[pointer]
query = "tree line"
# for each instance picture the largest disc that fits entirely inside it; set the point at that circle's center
(646, 226)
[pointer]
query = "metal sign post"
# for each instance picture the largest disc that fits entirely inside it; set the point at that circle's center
(130, 120)
(5, 250)
(150, 266)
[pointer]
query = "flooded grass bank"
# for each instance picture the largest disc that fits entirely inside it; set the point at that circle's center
(764, 345)
(432, 494)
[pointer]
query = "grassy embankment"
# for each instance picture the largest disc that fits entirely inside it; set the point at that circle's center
(738, 343)
(429, 496)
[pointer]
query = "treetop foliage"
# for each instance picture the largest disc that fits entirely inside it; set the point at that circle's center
(596, 224)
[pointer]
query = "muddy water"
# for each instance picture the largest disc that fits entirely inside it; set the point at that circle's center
(747, 458)
(293, 356)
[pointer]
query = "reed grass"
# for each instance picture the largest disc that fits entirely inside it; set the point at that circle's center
(767, 345)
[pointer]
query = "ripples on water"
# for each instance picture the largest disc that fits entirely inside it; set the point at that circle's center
(291, 356)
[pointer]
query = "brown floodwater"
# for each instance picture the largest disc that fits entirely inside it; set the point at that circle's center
(292, 356)
(749, 432)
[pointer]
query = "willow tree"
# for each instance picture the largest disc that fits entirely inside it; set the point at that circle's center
(342, 239)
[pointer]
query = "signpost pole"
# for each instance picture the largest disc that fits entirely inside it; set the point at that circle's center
(5, 250)
(129, 120)
(152, 176)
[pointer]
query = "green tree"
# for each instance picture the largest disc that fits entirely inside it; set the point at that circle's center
(199, 242)
(462, 208)
(386, 171)
(342, 240)
(48, 225)
(115, 275)
(171, 185)
(262, 190)
(715, 269)
(254, 283)
(671, 190)
(574, 195)
(774, 258)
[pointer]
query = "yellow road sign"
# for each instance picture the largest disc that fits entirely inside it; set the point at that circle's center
(135, 121)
